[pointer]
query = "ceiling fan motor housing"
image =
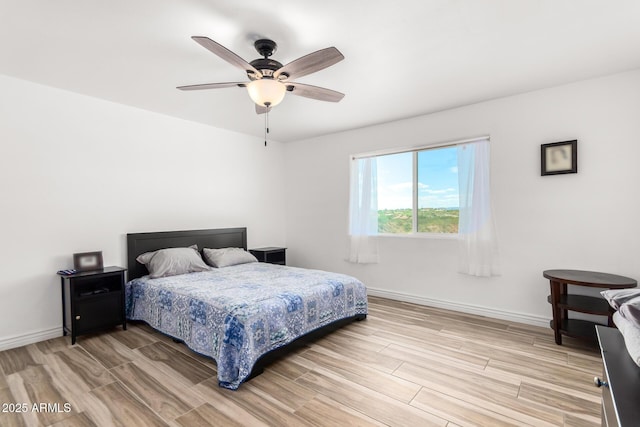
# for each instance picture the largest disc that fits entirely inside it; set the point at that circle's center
(266, 66)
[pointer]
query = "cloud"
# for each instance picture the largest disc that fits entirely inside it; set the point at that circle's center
(395, 196)
(426, 190)
(400, 196)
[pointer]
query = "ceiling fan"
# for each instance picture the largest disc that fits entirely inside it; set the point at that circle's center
(269, 80)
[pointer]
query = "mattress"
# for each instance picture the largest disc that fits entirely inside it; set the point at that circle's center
(237, 314)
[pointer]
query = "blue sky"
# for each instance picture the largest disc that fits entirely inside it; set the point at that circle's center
(437, 179)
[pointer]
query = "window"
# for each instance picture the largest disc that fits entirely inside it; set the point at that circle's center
(418, 191)
(445, 190)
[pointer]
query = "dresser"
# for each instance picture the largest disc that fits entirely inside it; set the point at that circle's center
(620, 381)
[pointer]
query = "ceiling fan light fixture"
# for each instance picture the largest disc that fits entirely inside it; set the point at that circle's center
(266, 92)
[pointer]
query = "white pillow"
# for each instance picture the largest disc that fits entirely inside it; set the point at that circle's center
(227, 256)
(173, 261)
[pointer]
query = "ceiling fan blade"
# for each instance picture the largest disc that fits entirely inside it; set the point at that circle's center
(212, 86)
(227, 55)
(316, 61)
(314, 92)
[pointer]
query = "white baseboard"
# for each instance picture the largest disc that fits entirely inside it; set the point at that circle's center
(19, 340)
(464, 308)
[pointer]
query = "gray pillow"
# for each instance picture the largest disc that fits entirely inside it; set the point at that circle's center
(227, 256)
(173, 261)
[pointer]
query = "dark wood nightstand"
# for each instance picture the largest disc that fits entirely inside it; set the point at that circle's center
(92, 300)
(271, 254)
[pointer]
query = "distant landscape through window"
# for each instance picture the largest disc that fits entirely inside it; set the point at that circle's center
(418, 191)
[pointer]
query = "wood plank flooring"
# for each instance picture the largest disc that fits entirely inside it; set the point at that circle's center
(406, 365)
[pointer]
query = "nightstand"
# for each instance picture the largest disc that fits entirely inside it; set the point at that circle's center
(271, 254)
(92, 300)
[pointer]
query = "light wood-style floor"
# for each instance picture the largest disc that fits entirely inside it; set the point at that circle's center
(406, 365)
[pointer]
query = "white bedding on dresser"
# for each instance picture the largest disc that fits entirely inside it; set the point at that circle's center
(631, 334)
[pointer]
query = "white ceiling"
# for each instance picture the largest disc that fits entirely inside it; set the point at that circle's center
(402, 59)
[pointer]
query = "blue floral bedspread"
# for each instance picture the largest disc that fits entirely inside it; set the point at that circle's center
(236, 314)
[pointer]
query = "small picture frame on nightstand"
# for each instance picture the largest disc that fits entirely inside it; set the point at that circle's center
(87, 261)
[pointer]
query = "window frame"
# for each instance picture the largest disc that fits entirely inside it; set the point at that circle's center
(414, 151)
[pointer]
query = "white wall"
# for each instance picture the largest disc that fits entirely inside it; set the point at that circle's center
(585, 221)
(78, 173)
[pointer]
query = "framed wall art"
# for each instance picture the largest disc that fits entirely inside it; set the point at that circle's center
(559, 158)
(87, 261)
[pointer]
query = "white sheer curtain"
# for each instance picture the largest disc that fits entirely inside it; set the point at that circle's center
(478, 250)
(363, 211)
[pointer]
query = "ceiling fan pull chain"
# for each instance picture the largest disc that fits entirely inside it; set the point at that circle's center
(266, 122)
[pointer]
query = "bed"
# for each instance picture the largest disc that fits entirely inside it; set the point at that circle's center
(241, 314)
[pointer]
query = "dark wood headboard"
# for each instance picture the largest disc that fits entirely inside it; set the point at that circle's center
(139, 243)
